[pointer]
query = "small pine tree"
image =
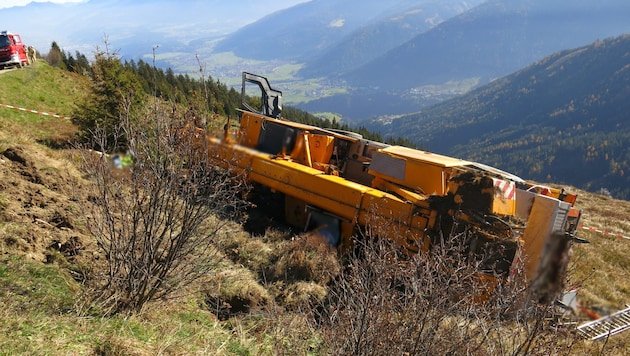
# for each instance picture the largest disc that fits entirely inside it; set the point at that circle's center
(56, 57)
(115, 93)
(83, 64)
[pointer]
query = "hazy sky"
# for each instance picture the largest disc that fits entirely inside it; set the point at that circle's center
(90, 28)
(11, 3)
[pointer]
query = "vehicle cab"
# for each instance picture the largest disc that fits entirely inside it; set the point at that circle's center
(12, 50)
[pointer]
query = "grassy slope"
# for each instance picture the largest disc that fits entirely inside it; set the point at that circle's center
(39, 312)
(40, 299)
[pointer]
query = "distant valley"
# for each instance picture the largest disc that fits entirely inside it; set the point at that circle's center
(415, 53)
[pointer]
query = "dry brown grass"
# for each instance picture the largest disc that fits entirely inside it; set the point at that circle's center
(601, 268)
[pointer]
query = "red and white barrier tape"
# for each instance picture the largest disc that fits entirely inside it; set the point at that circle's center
(35, 111)
(607, 233)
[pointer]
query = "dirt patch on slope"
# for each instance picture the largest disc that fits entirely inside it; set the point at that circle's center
(40, 210)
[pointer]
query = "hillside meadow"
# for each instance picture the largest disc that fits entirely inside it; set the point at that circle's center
(256, 301)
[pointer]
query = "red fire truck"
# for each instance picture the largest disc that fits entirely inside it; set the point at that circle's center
(12, 50)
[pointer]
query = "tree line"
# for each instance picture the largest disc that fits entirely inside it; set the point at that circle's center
(207, 94)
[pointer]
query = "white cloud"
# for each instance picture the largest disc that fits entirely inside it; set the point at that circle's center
(12, 3)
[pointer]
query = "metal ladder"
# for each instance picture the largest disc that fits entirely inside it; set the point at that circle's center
(606, 326)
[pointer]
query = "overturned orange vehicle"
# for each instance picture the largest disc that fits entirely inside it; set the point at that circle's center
(337, 182)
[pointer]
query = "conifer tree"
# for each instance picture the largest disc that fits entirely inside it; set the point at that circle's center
(56, 57)
(115, 93)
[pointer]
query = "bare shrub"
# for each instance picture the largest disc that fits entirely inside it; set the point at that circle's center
(155, 221)
(430, 303)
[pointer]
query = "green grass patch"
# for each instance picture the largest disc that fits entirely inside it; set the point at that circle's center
(285, 72)
(31, 88)
(39, 318)
(39, 287)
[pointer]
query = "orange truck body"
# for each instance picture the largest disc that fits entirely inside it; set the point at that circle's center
(337, 182)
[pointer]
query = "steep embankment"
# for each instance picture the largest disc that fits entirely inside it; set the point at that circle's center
(38, 208)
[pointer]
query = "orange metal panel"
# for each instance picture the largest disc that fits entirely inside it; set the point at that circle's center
(424, 157)
(327, 192)
(418, 170)
(250, 129)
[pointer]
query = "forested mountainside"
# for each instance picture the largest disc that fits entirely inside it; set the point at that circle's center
(563, 119)
(486, 42)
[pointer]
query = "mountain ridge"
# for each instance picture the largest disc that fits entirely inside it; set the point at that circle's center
(561, 119)
(492, 40)
(482, 44)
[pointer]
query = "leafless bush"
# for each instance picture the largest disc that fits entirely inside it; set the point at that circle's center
(156, 220)
(431, 303)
